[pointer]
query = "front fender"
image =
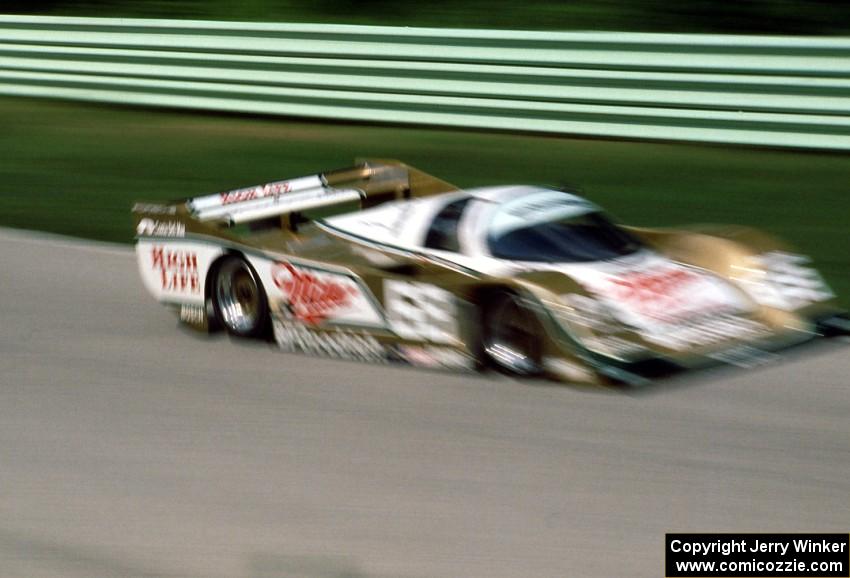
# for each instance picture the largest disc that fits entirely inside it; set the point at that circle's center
(779, 279)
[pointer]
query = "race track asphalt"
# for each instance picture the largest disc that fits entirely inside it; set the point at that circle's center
(130, 447)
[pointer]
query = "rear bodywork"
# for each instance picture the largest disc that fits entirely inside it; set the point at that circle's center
(359, 286)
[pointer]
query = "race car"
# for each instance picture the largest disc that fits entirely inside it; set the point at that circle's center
(382, 262)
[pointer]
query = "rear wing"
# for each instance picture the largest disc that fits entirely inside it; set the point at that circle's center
(368, 183)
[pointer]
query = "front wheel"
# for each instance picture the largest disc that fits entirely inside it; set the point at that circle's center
(239, 300)
(511, 335)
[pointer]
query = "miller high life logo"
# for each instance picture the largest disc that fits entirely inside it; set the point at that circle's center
(311, 298)
(258, 192)
(178, 270)
(665, 294)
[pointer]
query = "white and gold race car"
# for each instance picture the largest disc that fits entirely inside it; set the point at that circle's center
(382, 262)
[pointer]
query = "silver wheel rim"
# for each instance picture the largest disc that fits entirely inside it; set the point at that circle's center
(238, 297)
(510, 338)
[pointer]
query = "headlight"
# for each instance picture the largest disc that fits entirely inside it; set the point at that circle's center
(782, 281)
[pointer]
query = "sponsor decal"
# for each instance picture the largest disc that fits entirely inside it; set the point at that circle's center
(295, 337)
(177, 270)
(534, 208)
(435, 357)
(389, 224)
(614, 346)
(156, 228)
(543, 204)
(193, 314)
(421, 311)
(312, 297)
(568, 370)
(706, 331)
(154, 209)
(270, 192)
(257, 192)
(677, 334)
(668, 304)
(664, 295)
(646, 290)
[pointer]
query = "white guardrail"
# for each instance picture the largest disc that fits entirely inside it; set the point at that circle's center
(753, 90)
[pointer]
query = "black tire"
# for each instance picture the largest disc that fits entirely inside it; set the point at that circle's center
(511, 335)
(238, 298)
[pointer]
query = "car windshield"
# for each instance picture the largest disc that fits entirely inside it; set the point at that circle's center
(557, 228)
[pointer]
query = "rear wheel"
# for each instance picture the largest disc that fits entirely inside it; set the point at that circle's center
(511, 334)
(239, 300)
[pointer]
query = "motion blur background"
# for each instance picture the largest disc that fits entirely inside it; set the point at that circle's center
(741, 16)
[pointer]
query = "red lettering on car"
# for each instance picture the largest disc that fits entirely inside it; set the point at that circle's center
(657, 294)
(311, 299)
(258, 192)
(178, 270)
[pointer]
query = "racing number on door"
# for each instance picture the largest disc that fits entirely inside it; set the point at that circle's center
(420, 311)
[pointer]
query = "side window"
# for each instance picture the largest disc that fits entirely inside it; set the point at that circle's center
(443, 232)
